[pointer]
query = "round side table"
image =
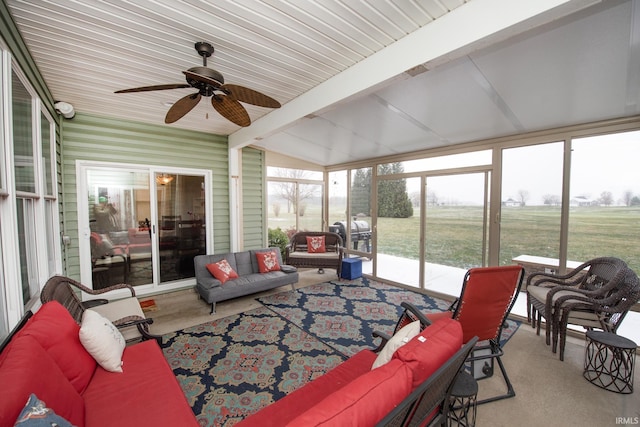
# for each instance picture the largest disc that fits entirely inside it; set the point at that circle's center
(609, 361)
(463, 403)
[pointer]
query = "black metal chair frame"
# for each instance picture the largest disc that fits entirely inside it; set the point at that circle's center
(495, 351)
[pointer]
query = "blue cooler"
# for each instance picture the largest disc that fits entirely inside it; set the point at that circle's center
(351, 268)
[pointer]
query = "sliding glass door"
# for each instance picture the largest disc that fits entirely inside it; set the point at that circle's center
(144, 226)
(182, 225)
(455, 228)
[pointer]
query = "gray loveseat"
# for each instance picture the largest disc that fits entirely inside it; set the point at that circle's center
(250, 279)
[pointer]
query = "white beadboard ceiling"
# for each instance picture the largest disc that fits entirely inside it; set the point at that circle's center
(357, 78)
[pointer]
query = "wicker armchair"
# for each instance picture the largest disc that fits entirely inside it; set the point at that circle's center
(126, 314)
(595, 309)
(544, 289)
(296, 252)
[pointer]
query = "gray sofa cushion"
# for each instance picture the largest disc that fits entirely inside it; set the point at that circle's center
(245, 266)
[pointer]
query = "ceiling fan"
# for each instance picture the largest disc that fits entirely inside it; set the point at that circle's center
(225, 98)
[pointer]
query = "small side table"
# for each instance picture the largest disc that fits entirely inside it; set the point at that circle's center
(351, 268)
(609, 361)
(463, 403)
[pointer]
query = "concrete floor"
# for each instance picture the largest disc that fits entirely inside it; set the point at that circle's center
(548, 392)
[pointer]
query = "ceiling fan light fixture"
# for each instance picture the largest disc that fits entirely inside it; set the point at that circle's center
(164, 179)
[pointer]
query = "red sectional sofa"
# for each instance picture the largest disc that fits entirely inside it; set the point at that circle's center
(353, 394)
(46, 357)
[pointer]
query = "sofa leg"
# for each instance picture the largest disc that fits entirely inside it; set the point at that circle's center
(293, 287)
(213, 308)
(321, 271)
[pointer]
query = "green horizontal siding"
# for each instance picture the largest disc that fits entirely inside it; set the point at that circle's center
(254, 235)
(92, 138)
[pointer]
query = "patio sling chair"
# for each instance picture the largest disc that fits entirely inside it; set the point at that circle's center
(544, 288)
(487, 297)
(595, 309)
(126, 314)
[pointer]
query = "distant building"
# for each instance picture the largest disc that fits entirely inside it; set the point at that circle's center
(583, 201)
(510, 202)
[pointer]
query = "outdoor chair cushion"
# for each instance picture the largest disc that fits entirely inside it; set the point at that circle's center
(362, 402)
(25, 368)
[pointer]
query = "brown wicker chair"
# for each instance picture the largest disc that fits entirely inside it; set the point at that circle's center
(544, 289)
(296, 253)
(595, 309)
(126, 313)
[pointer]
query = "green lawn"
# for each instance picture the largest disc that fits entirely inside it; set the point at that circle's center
(454, 234)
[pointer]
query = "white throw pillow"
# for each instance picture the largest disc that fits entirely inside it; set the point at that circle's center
(399, 339)
(102, 340)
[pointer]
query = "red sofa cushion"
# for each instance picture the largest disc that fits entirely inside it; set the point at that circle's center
(425, 353)
(146, 393)
(286, 409)
(55, 330)
(362, 402)
(25, 368)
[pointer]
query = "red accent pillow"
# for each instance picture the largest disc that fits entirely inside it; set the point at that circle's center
(428, 351)
(315, 245)
(362, 402)
(267, 261)
(222, 270)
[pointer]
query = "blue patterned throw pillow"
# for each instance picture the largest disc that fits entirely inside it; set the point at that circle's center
(36, 414)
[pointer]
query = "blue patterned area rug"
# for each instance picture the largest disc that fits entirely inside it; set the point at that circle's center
(343, 314)
(231, 367)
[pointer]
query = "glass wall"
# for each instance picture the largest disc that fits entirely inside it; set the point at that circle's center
(294, 199)
(455, 221)
(398, 230)
(531, 201)
(338, 189)
(604, 209)
(356, 232)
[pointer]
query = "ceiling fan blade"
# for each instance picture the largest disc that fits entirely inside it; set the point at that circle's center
(182, 107)
(231, 110)
(156, 87)
(250, 96)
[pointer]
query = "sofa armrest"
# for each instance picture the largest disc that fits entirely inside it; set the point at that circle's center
(285, 268)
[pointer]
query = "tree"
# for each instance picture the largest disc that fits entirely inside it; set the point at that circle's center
(361, 192)
(292, 192)
(432, 197)
(551, 199)
(627, 197)
(606, 198)
(393, 199)
(523, 197)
